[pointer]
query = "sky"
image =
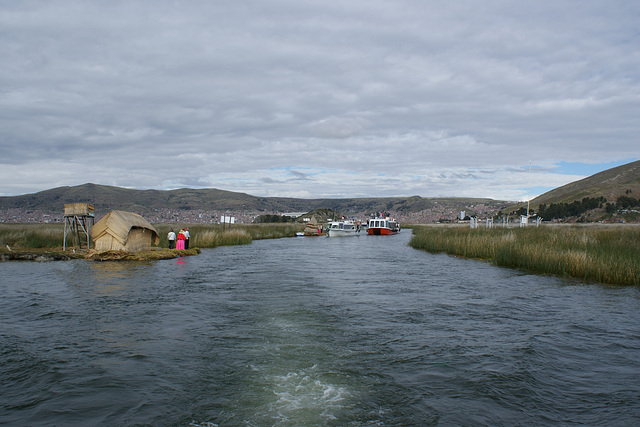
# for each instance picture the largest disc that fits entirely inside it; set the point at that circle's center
(318, 99)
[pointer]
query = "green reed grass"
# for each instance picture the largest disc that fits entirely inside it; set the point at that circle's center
(213, 235)
(272, 231)
(212, 238)
(30, 236)
(39, 236)
(605, 254)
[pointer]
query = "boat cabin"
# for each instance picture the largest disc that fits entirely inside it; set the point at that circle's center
(341, 226)
(382, 226)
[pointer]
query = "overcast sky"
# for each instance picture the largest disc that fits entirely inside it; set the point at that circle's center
(309, 98)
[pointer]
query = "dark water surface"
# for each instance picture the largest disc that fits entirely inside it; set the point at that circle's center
(354, 331)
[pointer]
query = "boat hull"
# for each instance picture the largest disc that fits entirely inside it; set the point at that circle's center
(341, 233)
(376, 231)
(382, 226)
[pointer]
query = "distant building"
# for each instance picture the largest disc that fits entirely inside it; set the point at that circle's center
(124, 231)
(293, 214)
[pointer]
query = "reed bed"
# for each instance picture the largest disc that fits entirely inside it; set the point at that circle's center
(31, 235)
(213, 235)
(41, 236)
(604, 254)
(212, 238)
(272, 231)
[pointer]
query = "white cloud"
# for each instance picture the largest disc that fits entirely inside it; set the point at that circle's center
(339, 127)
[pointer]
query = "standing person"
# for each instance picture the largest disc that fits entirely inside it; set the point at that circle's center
(171, 237)
(186, 238)
(180, 242)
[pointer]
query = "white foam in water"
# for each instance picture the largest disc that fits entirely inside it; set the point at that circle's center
(303, 395)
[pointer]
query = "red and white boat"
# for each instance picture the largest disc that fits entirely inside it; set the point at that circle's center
(382, 226)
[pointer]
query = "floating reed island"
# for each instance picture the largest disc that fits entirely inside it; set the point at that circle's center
(608, 254)
(43, 242)
(150, 254)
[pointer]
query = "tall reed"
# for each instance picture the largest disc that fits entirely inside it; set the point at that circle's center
(272, 231)
(31, 236)
(213, 235)
(212, 238)
(39, 236)
(605, 254)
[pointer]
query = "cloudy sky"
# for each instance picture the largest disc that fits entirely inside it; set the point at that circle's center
(308, 98)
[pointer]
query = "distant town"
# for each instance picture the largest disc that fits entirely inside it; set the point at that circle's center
(173, 216)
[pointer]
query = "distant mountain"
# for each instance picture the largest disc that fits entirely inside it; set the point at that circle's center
(610, 184)
(106, 198)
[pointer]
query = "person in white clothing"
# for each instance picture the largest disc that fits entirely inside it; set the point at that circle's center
(171, 237)
(186, 238)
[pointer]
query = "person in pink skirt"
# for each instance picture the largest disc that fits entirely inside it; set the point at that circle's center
(181, 239)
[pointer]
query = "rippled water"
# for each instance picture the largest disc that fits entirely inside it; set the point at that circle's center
(313, 331)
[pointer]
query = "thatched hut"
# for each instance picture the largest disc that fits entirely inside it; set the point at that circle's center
(124, 231)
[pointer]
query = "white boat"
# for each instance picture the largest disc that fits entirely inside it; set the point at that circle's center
(342, 228)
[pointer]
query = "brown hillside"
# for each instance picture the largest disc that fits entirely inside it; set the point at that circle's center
(106, 198)
(610, 184)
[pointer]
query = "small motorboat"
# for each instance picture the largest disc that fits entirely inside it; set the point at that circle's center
(343, 228)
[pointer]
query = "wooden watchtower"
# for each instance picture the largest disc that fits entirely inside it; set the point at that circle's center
(78, 220)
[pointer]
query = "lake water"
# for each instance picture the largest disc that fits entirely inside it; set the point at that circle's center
(354, 331)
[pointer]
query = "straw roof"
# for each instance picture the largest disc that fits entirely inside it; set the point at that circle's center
(118, 224)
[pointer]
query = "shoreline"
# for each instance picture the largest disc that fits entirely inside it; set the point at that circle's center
(42, 242)
(605, 255)
(46, 255)
(35, 255)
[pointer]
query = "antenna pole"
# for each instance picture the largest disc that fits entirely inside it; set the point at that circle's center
(529, 189)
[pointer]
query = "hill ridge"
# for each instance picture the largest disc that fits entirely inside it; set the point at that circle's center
(105, 198)
(610, 184)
